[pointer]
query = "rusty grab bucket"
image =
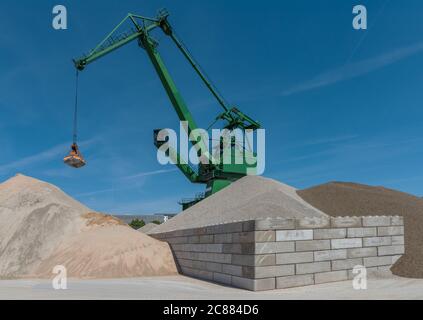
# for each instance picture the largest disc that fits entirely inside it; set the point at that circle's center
(75, 158)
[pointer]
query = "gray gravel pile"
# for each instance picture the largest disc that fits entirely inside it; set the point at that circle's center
(249, 198)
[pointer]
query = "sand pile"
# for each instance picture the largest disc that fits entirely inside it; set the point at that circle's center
(147, 228)
(248, 198)
(41, 227)
(349, 199)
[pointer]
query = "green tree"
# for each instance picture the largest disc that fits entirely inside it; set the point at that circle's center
(156, 222)
(137, 223)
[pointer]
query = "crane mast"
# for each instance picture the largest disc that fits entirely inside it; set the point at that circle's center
(215, 176)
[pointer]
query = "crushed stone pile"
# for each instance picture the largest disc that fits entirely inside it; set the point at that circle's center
(41, 227)
(249, 198)
(350, 199)
(148, 228)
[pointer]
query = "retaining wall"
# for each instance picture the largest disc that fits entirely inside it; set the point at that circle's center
(267, 254)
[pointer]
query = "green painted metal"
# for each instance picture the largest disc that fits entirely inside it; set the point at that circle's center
(216, 175)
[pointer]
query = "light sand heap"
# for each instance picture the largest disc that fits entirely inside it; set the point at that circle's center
(248, 198)
(351, 199)
(41, 227)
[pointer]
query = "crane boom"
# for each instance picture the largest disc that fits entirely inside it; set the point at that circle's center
(216, 175)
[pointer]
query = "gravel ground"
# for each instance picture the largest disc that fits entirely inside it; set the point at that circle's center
(184, 288)
(350, 199)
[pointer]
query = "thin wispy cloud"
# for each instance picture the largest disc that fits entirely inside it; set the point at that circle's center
(325, 140)
(149, 173)
(97, 192)
(43, 156)
(55, 152)
(126, 187)
(356, 69)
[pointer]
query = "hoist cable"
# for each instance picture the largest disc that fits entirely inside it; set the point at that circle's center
(75, 115)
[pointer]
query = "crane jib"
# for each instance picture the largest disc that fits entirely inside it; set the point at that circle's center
(215, 176)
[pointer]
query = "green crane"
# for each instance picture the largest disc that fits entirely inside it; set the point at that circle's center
(215, 176)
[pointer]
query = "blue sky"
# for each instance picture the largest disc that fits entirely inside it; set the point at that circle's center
(337, 103)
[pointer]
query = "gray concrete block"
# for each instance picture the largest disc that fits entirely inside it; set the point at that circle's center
(248, 226)
(269, 271)
(239, 248)
(211, 230)
(232, 270)
(377, 241)
(294, 257)
(197, 247)
(200, 265)
(255, 236)
(313, 223)
(177, 247)
(345, 222)
(232, 248)
(361, 252)
(331, 276)
(390, 250)
(186, 255)
(254, 260)
(294, 281)
(194, 239)
(200, 231)
(184, 263)
(362, 232)
(177, 240)
(222, 278)
(397, 240)
(178, 233)
(223, 238)
(230, 227)
(265, 236)
(328, 255)
(201, 274)
(214, 257)
(274, 224)
(254, 285)
(390, 231)
(376, 221)
(346, 264)
(225, 228)
(313, 267)
(346, 243)
(312, 245)
(292, 235)
(213, 266)
(397, 221)
(377, 261)
(207, 238)
(334, 233)
(274, 247)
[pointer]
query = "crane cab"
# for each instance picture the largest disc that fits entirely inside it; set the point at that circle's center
(75, 158)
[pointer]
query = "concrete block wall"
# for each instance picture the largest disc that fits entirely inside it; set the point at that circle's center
(268, 254)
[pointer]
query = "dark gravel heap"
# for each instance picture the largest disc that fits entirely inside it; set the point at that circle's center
(351, 199)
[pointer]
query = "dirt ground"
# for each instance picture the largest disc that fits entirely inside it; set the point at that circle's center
(184, 288)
